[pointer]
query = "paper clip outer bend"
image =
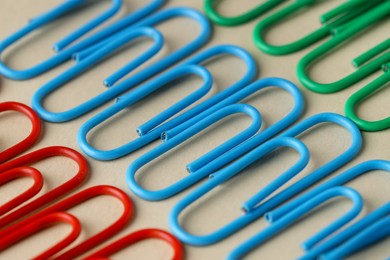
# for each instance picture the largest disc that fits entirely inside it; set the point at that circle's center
(152, 129)
(363, 94)
(178, 250)
(19, 164)
(282, 196)
(196, 166)
(340, 179)
(31, 139)
(41, 224)
(297, 213)
(37, 22)
(338, 16)
(73, 201)
(92, 55)
(211, 5)
(342, 35)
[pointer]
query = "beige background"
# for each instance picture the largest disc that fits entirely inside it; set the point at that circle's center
(222, 205)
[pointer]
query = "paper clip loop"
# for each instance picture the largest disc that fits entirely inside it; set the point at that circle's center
(254, 211)
(211, 12)
(343, 34)
(196, 166)
(17, 232)
(37, 22)
(338, 180)
(338, 16)
(137, 236)
(31, 139)
(152, 129)
(363, 94)
(19, 167)
(297, 213)
(93, 55)
(67, 53)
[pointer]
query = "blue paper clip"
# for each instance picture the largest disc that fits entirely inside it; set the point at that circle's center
(153, 129)
(254, 210)
(340, 179)
(65, 53)
(199, 171)
(297, 213)
(141, 29)
(366, 232)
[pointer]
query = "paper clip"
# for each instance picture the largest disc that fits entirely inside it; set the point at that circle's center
(336, 17)
(91, 56)
(211, 12)
(198, 168)
(19, 167)
(152, 129)
(253, 208)
(65, 53)
(16, 232)
(342, 35)
(297, 213)
(364, 234)
(31, 139)
(137, 236)
(338, 180)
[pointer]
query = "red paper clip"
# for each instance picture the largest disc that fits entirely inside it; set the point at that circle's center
(18, 167)
(30, 139)
(104, 253)
(37, 222)
(43, 223)
(17, 231)
(21, 172)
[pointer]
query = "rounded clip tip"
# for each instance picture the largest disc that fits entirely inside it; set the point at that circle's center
(244, 209)
(106, 84)
(164, 137)
(268, 217)
(139, 132)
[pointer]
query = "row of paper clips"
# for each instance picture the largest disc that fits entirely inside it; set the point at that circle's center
(357, 236)
(344, 22)
(220, 164)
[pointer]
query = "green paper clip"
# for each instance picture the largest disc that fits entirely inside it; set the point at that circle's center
(211, 12)
(339, 16)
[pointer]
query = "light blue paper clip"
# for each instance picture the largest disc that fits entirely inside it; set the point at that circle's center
(349, 233)
(152, 129)
(90, 59)
(200, 171)
(297, 213)
(367, 234)
(65, 52)
(256, 207)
